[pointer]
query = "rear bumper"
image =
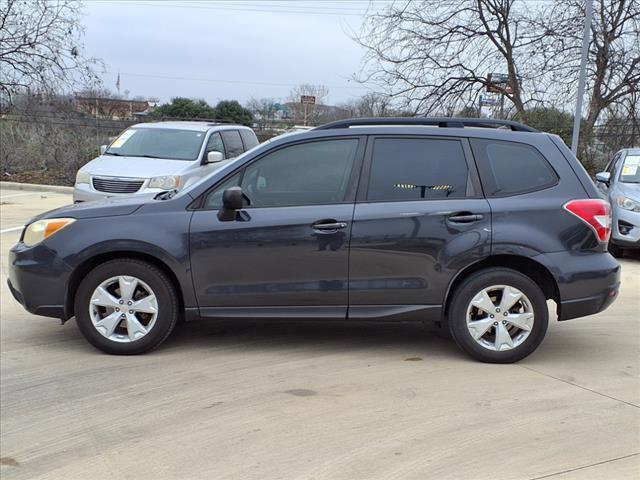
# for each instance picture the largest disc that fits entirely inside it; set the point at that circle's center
(587, 282)
(38, 280)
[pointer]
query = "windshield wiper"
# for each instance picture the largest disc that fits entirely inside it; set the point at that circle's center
(112, 153)
(165, 195)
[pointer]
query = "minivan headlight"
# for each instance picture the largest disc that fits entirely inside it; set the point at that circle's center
(627, 204)
(42, 229)
(166, 182)
(83, 177)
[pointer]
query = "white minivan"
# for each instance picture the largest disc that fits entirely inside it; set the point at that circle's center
(150, 158)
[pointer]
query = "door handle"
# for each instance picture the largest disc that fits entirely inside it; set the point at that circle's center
(465, 217)
(330, 225)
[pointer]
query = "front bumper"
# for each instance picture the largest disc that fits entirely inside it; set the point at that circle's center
(38, 280)
(628, 222)
(587, 282)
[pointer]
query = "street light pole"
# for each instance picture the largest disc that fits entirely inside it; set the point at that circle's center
(583, 74)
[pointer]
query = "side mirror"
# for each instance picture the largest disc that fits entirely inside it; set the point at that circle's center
(103, 148)
(603, 177)
(231, 203)
(214, 157)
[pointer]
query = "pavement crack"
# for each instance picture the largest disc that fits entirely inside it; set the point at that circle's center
(585, 466)
(580, 386)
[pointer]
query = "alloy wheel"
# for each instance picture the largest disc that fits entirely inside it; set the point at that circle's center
(123, 308)
(500, 317)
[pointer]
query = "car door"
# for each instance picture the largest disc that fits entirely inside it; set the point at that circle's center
(287, 251)
(419, 219)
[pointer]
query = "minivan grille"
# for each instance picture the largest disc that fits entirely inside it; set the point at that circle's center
(111, 185)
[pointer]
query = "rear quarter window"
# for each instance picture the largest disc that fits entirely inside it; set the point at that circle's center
(249, 139)
(510, 168)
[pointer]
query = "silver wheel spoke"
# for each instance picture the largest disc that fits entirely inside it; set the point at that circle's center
(135, 329)
(148, 304)
(479, 327)
(109, 323)
(483, 302)
(510, 296)
(127, 287)
(102, 298)
(503, 338)
(523, 321)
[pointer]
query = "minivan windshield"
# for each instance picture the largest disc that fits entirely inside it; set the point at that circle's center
(167, 143)
(630, 172)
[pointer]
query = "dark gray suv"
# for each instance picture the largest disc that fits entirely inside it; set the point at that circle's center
(471, 223)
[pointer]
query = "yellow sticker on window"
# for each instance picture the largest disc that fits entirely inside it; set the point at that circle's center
(629, 170)
(122, 139)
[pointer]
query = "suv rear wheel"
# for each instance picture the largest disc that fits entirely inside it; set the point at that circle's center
(498, 315)
(126, 307)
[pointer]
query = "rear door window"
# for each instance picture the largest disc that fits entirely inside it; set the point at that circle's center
(510, 168)
(405, 169)
(232, 143)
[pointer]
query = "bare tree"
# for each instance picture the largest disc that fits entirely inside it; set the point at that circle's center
(307, 113)
(613, 69)
(263, 109)
(435, 56)
(40, 47)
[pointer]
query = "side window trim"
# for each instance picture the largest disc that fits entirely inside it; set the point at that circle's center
(472, 173)
(352, 184)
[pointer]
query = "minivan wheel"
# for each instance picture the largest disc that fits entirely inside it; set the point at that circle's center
(498, 315)
(126, 307)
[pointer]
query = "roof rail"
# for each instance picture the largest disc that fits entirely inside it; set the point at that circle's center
(442, 122)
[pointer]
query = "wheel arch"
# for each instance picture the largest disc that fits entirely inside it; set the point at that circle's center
(524, 265)
(81, 271)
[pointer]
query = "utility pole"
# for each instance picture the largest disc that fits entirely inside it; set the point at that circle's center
(583, 74)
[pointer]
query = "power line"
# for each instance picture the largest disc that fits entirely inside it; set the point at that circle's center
(241, 82)
(237, 8)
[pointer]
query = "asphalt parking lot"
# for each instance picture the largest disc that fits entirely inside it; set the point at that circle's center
(313, 401)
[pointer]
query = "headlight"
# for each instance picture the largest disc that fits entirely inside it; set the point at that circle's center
(38, 231)
(83, 177)
(166, 183)
(628, 204)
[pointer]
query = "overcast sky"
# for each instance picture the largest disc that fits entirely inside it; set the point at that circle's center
(226, 49)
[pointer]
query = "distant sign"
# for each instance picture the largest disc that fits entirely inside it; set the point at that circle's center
(488, 101)
(498, 83)
(308, 99)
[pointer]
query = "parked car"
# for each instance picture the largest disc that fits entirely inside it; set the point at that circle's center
(149, 158)
(620, 185)
(370, 219)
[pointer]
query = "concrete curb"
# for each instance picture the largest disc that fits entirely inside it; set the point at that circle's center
(32, 187)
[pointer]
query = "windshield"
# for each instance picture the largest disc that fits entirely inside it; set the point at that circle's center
(172, 144)
(630, 172)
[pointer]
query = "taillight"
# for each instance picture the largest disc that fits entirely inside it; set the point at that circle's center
(594, 212)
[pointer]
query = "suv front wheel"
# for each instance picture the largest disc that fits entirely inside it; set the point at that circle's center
(498, 315)
(126, 307)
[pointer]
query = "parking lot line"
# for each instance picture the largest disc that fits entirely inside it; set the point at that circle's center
(24, 194)
(12, 229)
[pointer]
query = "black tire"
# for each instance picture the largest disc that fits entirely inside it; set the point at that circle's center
(615, 250)
(480, 280)
(168, 305)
